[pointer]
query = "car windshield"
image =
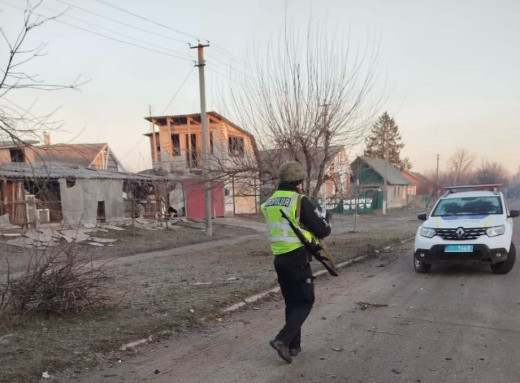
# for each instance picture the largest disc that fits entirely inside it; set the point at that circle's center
(468, 206)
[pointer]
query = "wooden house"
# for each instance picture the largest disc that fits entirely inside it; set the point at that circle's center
(176, 149)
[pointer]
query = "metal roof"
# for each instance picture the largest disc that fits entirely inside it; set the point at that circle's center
(54, 170)
(383, 167)
(74, 154)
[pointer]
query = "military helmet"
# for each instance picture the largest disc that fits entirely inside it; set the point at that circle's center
(291, 171)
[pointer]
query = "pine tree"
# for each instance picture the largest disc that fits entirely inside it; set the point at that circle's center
(384, 141)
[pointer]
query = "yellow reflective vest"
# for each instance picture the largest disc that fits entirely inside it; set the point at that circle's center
(281, 237)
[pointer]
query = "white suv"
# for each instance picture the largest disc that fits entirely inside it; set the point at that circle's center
(467, 224)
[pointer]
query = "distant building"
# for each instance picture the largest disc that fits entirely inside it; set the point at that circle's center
(422, 190)
(370, 174)
(97, 156)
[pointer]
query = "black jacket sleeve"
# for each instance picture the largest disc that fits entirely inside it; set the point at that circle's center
(311, 220)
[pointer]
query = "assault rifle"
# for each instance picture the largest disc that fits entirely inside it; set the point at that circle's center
(314, 248)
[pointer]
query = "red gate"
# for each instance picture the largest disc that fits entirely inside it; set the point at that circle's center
(194, 197)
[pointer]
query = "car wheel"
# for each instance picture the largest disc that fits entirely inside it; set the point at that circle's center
(420, 266)
(506, 266)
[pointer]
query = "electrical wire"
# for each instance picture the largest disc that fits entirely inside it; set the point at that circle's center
(178, 90)
(110, 30)
(123, 23)
(147, 19)
(100, 34)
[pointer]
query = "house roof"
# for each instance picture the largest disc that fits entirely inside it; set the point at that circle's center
(13, 144)
(384, 169)
(73, 154)
(417, 177)
(52, 170)
(178, 119)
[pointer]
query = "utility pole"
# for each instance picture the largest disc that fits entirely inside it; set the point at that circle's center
(204, 122)
(385, 189)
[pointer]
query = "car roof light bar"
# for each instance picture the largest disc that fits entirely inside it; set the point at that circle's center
(494, 187)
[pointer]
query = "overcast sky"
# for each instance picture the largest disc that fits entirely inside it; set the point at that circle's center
(450, 69)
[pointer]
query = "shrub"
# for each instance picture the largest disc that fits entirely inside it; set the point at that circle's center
(56, 281)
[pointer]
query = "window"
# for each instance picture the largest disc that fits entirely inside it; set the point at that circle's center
(176, 145)
(236, 146)
(17, 155)
(211, 150)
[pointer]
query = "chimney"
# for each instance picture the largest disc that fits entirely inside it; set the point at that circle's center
(46, 138)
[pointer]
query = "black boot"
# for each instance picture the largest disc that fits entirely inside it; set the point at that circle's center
(282, 349)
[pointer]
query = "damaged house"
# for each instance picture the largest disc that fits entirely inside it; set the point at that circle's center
(176, 148)
(33, 193)
(70, 183)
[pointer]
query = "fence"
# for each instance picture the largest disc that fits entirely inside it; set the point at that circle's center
(347, 205)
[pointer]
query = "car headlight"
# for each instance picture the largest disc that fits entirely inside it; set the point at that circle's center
(427, 232)
(495, 230)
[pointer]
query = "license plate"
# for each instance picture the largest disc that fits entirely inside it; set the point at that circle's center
(458, 248)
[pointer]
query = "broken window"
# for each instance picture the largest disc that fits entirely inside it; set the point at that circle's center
(236, 146)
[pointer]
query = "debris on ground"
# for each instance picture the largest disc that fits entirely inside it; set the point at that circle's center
(367, 305)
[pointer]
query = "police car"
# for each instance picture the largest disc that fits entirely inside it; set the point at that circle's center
(469, 223)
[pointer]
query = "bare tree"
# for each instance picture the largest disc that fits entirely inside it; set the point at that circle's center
(308, 92)
(17, 123)
(461, 166)
(492, 173)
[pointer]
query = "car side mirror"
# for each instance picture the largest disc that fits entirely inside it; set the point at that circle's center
(424, 216)
(514, 213)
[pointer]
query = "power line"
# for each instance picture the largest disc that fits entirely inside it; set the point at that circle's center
(122, 41)
(147, 19)
(133, 148)
(178, 90)
(122, 23)
(100, 34)
(109, 30)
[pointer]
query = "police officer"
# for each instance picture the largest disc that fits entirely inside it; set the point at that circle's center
(291, 260)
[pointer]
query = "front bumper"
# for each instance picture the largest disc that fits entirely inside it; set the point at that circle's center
(480, 254)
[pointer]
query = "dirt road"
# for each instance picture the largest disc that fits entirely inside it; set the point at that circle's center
(378, 322)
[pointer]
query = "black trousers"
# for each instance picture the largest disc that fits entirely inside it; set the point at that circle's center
(297, 286)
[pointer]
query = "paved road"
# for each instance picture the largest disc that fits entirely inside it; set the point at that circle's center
(378, 322)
